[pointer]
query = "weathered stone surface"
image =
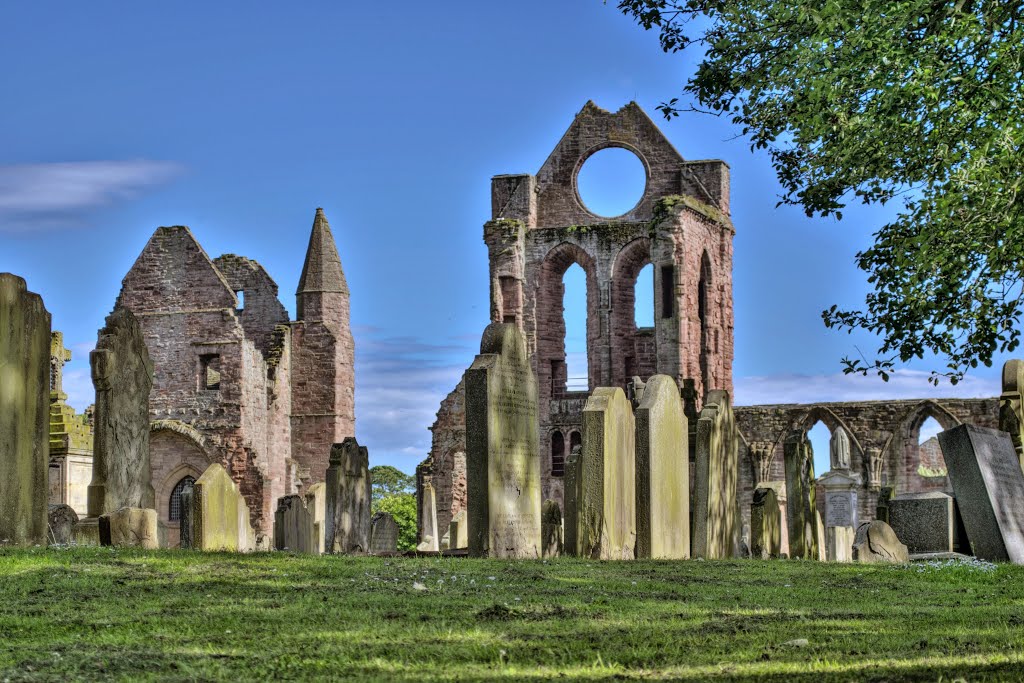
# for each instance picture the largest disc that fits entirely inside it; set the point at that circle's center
(458, 531)
(839, 543)
(716, 472)
(1011, 405)
(24, 413)
(876, 542)
(606, 478)
(503, 465)
(430, 540)
(840, 498)
(348, 498)
(551, 529)
(71, 437)
(925, 522)
(217, 516)
(316, 503)
(662, 472)
(819, 528)
(294, 528)
(61, 520)
(765, 525)
(383, 534)
(130, 528)
(570, 517)
(989, 486)
(885, 496)
(122, 375)
(839, 449)
(800, 504)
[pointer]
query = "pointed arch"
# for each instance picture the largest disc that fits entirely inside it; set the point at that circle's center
(704, 285)
(902, 451)
(632, 349)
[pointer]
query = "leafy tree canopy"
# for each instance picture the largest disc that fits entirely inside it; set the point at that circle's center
(917, 101)
(390, 481)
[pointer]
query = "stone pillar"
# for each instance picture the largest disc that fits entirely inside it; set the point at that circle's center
(24, 413)
(348, 498)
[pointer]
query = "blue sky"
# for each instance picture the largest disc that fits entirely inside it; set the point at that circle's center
(239, 119)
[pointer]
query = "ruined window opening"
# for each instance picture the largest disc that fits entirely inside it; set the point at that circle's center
(209, 372)
(557, 454)
(643, 297)
(510, 303)
(702, 313)
(574, 316)
(574, 440)
(630, 367)
(668, 290)
(240, 293)
(174, 505)
(930, 463)
(820, 436)
(611, 182)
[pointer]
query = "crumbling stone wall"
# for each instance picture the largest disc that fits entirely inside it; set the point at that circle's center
(445, 468)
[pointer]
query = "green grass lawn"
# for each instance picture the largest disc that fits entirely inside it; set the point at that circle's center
(98, 613)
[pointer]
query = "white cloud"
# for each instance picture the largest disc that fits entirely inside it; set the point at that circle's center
(902, 384)
(42, 196)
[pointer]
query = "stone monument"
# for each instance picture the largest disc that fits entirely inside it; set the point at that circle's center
(840, 513)
(316, 503)
(1011, 408)
(348, 498)
(800, 504)
(925, 522)
(551, 529)
(502, 457)
(716, 525)
(294, 528)
(458, 532)
(662, 472)
(765, 525)
(839, 449)
(431, 540)
(214, 514)
(383, 534)
(570, 497)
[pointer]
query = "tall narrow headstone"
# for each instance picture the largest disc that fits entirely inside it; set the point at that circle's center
(294, 528)
(570, 502)
(502, 451)
(1011, 405)
(715, 512)
(458, 531)
(765, 524)
(24, 413)
(316, 503)
(800, 497)
(551, 529)
(606, 493)
(122, 374)
(840, 514)
(348, 498)
(431, 539)
(383, 534)
(662, 472)
(989, 488)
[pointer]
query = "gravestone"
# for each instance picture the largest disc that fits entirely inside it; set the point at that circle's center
(130, 528)
(715, 525)
(430, 541)
(551, 529)
(458, 531)
(316, 503)
(294, 528)
(383, 534)
(925, 522)
(606, 478)
(24, 413)
(885, 496)
(214, 514)
(348, 498)
(122, 374)
(570, 496)
(765, 525)
(502, 451)
(662, 472)
(989, 488)
(800, 497)
(1011, 405)
(840, 514)
(61, 520)
(876, 542)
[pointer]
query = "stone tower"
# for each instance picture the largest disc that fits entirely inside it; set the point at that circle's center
(323, 354)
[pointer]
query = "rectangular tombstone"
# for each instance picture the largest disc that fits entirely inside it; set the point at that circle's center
(219, 517)
(662, 473)
(715, 513)
(840, 508)
(800, 497)
(924, 522)
(130, 528)
(765, 525)
(24, 413)
(570, 498)
(551, 529)
(430, 541)
(819, 537)
(186, 526)
(316, 503)
(606, 476)
(989, 488)
(348, 498)
(502, 450)
(458, 531)
(294, 529)
(383, 534)
(839, 543)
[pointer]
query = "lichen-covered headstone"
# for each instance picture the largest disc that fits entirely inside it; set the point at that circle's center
(662, 472)
(130, 528)
(876, 542)
(765, 524)
(316, 503)
(800, 497)
(294, 528)
(430, 540)
(458, 531)
(551, 529)
(989, 488)
(502, 451)
(383, 534)
(348, 498)
(61, 520)
(122, 374)
(217, 517)
(606, 475)
(716, 472)
(570, 507)
(24, 413)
